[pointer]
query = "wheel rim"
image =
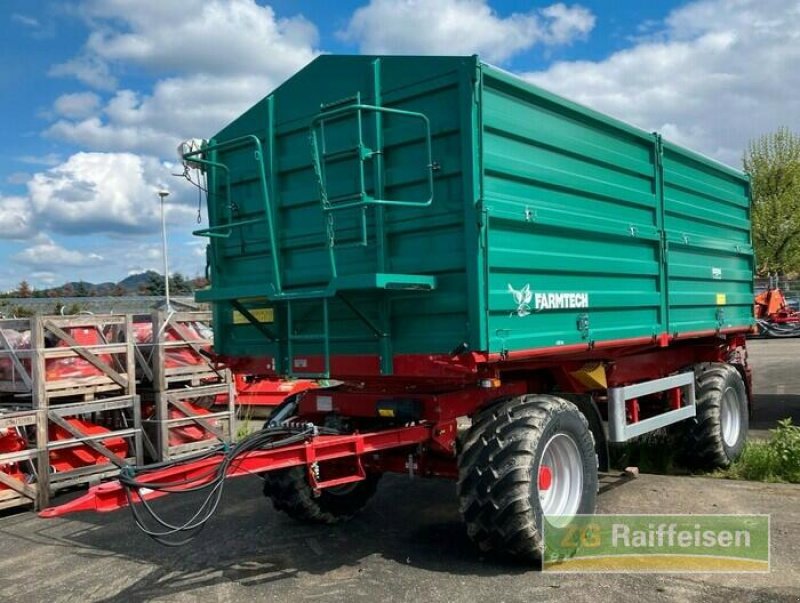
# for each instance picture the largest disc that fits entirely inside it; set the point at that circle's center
(560, 477)
(731, 417)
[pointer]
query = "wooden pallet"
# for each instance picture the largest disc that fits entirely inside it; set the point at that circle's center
(219, 424)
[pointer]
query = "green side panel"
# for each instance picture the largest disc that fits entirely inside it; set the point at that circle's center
(379, 251)
(550, 224)
(708, 240)
(573, 212)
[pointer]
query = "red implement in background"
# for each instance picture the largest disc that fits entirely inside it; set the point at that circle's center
(771, 305)
(256, 390)
(74, 457)
(12, 441)
(775, 317)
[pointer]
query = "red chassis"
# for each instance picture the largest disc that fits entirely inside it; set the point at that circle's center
(408, 423)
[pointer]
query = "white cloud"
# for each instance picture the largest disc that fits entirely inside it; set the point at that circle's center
(176, 109)
(49, 160)
(454, 27)
(104, 193)
(207, 36)
(717, 74)
(49, 254)
(148, 257)
(566, 23)
(86, 69)
(25, 20)
(215, 59)
(44, 277)
(76, 105)
(36, 28)
(18, 177)
(16, 220)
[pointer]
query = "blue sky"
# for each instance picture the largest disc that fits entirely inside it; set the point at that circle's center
(96, 94)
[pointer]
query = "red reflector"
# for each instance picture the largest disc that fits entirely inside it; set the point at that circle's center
(545, 477)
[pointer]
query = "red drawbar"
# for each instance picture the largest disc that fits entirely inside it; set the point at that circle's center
(111, 495)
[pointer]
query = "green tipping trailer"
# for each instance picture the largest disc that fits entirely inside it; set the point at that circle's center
(385, 208)
(499, 282)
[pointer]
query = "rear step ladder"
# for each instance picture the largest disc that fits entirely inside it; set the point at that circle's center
(360, 200)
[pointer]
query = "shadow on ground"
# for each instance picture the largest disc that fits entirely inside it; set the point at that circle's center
(409, 522)
(768, 409)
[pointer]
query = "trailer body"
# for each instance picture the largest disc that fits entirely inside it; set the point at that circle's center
(459, 208)
(498, 281)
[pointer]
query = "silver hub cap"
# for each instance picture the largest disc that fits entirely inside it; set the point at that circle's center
(560, 477)
(730, 417)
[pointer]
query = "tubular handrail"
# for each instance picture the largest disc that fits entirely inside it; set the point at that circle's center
(363, 198)
(227, 229)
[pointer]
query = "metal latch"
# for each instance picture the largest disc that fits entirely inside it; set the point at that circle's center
(583, 325)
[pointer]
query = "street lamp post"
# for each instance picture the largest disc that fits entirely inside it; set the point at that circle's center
(164, 195)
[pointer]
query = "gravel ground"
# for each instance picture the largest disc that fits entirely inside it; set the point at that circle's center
(409, 545)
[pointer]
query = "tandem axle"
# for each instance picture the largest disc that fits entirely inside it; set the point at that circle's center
(323, 451)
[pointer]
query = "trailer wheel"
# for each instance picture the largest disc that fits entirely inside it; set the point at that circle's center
(291, 493)
(716, 436)
(525, 461)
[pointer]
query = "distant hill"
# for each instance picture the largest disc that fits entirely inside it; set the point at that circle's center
(82, 288)
(142, 283)
(134, 282)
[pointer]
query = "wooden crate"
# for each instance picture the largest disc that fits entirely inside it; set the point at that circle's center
(33, 372)
(217, 426)
(123, 411)
(37, 378)
(158, 363)
(16, 492)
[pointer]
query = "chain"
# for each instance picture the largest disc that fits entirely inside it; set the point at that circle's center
(331, 230)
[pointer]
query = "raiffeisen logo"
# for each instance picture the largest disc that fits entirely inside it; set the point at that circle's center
(657, 543)
(545, 301)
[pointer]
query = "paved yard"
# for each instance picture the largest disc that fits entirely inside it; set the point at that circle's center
(409, 545)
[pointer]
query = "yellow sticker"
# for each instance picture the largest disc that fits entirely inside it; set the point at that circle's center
(721, 299)
(260, 314)
(386, 412)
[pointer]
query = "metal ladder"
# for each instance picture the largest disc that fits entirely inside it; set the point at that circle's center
(361, 200)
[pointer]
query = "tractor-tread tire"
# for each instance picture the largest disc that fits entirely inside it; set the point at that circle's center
(704, 447)
(496, 471)
(291, 493)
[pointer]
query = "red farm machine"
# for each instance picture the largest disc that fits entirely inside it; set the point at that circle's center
(498, 283)
(774, 316)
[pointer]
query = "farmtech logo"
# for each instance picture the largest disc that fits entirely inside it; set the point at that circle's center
(658, 543)
(545, 301)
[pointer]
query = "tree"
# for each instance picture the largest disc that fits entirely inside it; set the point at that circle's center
(199, 282)
(82, 290)
(154, 285)
(773, 162)
(24, 289)
(179, 285)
